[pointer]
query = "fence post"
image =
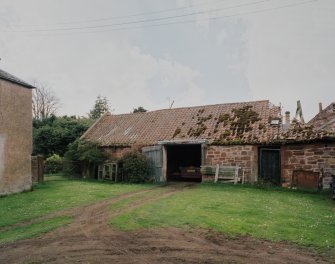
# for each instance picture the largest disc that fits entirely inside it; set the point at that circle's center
(37, 168)
(217, 173)
(40, 162)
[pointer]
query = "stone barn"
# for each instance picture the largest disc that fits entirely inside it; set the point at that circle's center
(307, 156)
(15, 134)
(179, 141)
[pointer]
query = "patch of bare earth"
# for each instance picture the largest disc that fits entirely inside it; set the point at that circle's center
(89, 239)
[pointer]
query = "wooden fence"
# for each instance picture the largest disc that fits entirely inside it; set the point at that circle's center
(37, 168)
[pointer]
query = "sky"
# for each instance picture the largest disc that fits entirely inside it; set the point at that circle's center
(151, 53)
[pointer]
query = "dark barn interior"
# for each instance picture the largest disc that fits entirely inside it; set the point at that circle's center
(183, 162)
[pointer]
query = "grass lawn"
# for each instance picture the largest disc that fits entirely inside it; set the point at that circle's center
(306, 219)
(35, 229)
(55, 194)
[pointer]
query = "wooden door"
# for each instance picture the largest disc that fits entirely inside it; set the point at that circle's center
(269, 166)
(155, 156)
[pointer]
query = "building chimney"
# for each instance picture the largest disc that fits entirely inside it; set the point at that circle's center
(287, 117)
(320, 107)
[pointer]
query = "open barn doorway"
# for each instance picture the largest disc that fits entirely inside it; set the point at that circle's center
(183, 162)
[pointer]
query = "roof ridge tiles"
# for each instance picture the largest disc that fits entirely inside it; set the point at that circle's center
(197, 106)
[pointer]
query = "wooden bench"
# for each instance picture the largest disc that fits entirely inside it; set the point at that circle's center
(224, 173)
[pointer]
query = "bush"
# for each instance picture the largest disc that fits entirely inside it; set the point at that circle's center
(136, 167)
(53, 164)
(82, 155)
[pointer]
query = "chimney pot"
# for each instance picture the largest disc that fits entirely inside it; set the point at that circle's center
(320, 107)
(287, 117)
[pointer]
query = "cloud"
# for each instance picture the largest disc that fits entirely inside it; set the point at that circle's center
(195, 6)
(291, 56)
(283, 55)
(80, 67)
(121, 72)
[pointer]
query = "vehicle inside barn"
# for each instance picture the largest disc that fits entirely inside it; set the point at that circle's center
(183, 162)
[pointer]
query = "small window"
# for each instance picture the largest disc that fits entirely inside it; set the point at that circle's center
(275, 122)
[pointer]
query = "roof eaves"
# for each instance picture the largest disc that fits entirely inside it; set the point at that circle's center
(11, 78)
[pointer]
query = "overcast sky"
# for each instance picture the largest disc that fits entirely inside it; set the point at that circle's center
(207, 51)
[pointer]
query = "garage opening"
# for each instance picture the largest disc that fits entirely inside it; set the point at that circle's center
(183, 162)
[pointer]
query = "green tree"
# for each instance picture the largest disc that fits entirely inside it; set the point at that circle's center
(52, 135)
(100, 107)
(139, 109)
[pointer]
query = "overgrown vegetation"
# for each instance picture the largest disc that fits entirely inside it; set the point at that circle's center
(176, 132)
(53, 164)
(82, 156)
(242, 120)
(136, 167)
(278, 215)
(198, 131)
(237, 125)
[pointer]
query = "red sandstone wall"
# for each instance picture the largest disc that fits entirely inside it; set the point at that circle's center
(246, 157)
(309, 157)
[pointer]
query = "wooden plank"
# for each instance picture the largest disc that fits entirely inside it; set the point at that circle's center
(155, 156)
(217, 173)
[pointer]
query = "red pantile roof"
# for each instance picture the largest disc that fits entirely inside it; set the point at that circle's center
(325, 119)
(233, 123)
(299, 132)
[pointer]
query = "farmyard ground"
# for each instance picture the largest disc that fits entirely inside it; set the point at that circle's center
(136, 226)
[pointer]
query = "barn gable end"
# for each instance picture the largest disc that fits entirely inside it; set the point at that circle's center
(15, 134)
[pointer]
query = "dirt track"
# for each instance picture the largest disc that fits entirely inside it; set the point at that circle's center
(89, 239)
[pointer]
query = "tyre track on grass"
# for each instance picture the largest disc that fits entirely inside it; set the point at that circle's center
(94, 220)
(73, 211)
(89, 233)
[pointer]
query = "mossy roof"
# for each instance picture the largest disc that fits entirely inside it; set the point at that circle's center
(187, 123)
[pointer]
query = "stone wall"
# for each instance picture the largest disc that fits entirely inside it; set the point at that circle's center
(246, 157)
(15, 138)
(316, 157)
